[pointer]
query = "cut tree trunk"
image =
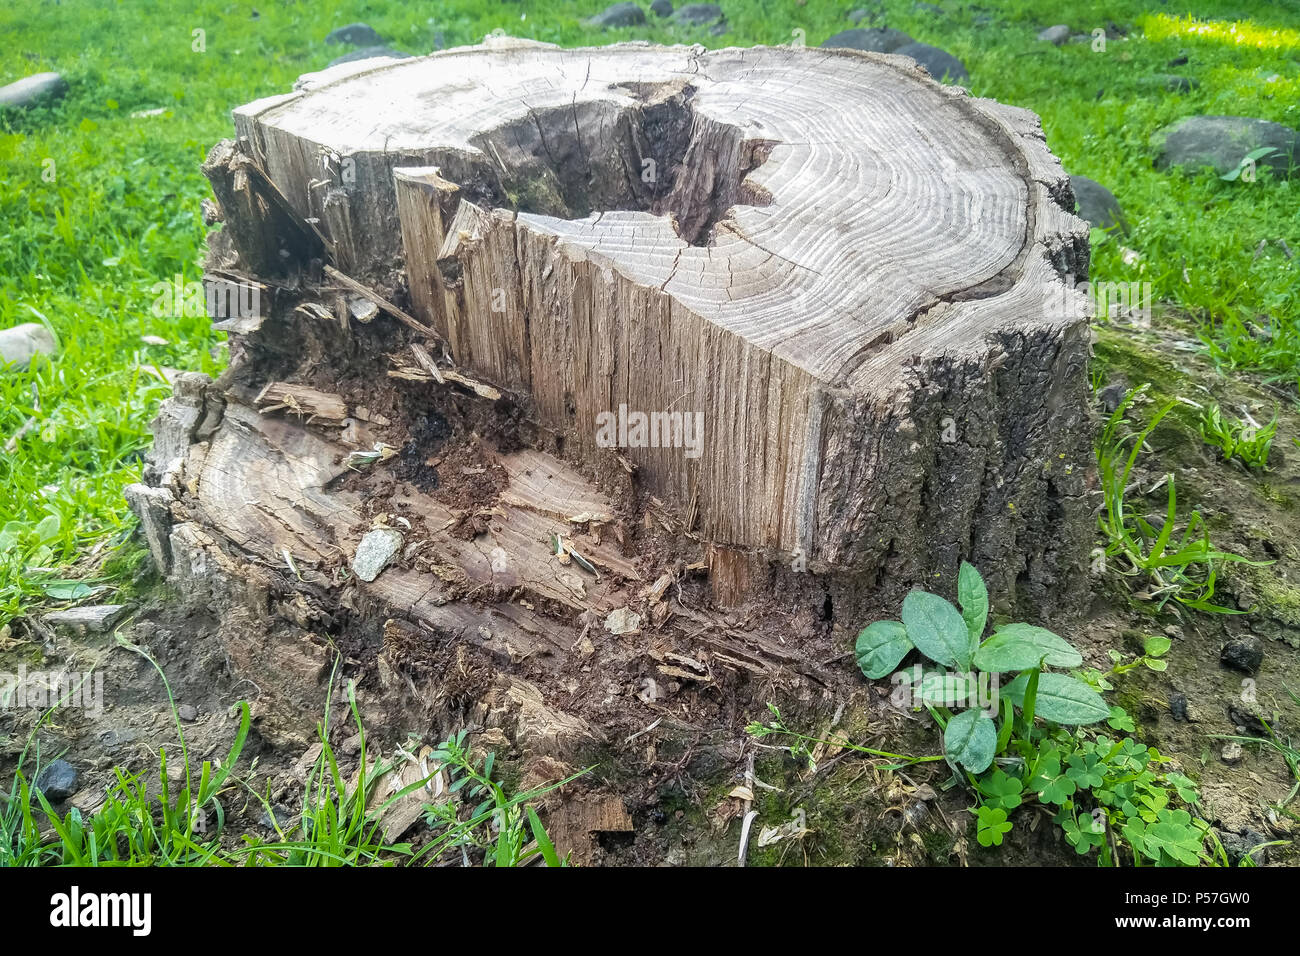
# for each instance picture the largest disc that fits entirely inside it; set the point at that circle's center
(610, 338)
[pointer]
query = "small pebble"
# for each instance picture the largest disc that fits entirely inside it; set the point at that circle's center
(1244, 654)
(58, 780)
(1178, 706)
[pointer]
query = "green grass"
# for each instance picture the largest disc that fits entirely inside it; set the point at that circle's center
(153, 820)
(1245, 441)
(122, 212)
(1180, 566)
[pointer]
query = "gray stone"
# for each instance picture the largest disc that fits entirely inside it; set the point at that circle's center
(857, 16)
(1178, 706)
(1055, 35)
(375, 551)
(617, 15)
(1171, 82)
(1231, 754)
(662, 8)
(370, 52)
(1244, 654)
(1246, 717)
(940, 64)
(58, 780)
(188, 713)
(1240, 845)
(23, 342)
(119, 737)
(930, 9)
(32, 90)
(1110, 396)
(91, 619)
(872, 39)
(698, 14)
(1223, 142)
(355, 34)
(276, 814)
(1097, 204)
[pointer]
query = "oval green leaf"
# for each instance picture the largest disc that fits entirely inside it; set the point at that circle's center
(880, 647)
(945, 689)
(1017, 647)
(970, 739)
(937, 630)
(1061, 699)
(973, 597)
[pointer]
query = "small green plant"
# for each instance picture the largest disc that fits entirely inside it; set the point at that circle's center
(1182, 568)
(1244, 441)
(495, 825)
(953, 640)
(1154, 648)
(1099, 791)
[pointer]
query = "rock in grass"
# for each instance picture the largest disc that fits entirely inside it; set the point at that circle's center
(58, 780)
(1097, 204)
(940, 64)
(1231, 753)
(276, 814)
(1244, 654)
(355, 34)
(662, 8)
(375, 551)
(91, 619)
(1224, 141)
(698, 14)
(370, 52)
(21, 343)
(1239, 845)
(929, 9)
(33, 90)
(617, 15)
(1055, 35)
(872, 40)
(1170, 82)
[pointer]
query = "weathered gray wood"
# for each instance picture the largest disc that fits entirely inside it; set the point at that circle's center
(857, 276)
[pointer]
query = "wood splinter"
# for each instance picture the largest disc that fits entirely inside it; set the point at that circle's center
(317, 407)
(383, 303)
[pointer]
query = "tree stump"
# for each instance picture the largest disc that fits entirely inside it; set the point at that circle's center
(638, 334)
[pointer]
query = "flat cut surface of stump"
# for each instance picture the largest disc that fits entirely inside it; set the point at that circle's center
(854, 276)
